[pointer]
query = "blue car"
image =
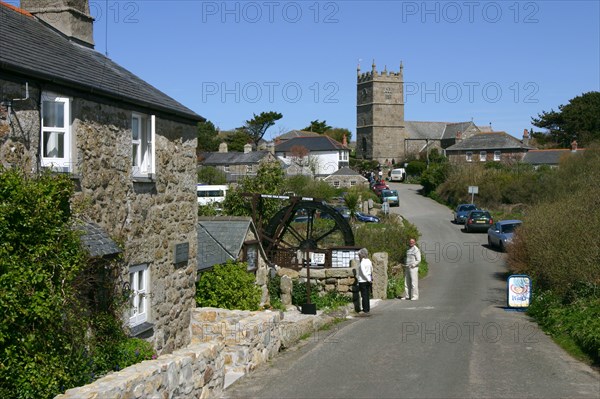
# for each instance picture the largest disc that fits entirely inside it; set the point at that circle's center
(461, 212)
(501, 233)
(391, 197)
(363, 217)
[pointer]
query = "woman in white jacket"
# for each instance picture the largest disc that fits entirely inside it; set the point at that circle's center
(365, 278)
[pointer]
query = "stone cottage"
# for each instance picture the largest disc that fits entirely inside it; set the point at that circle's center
(129, 148)
(489, 147)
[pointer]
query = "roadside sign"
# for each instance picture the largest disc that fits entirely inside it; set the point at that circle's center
(317, 258)
(518, 289)
(473, 190)
(385, 207)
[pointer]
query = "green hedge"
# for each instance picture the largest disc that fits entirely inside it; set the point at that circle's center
(228, 286)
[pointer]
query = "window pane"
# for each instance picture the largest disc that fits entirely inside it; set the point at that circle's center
(141, 303)
(53, 114)
(141, 285)
(135, 129)
(134, 155)
(54, 145)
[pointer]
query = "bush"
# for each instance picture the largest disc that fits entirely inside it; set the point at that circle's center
(228, 286)
(42, 319)
(391, 237)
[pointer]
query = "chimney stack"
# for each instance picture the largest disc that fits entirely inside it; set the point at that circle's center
(344, 141)
(574, 146)
(70, 17)
(458, 136)
(525, 137)
(247, 148)
(223, 147)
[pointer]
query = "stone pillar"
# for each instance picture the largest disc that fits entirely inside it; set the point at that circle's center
(380, 276)
(286, 290)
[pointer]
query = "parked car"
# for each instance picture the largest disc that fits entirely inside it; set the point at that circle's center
(460, 214)
(381, 185)
(501, 233)
(391, 197)
(363, 217)
(478, 220)
(398, 174)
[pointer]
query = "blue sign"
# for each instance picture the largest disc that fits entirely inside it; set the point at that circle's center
(518, 291)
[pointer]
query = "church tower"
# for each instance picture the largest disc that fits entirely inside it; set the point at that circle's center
(380, 115)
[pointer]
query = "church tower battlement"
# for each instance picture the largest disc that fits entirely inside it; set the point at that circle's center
(380, 114)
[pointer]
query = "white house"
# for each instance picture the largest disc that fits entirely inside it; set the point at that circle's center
(318, 156)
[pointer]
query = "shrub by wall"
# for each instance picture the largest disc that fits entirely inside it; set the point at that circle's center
(228, 286)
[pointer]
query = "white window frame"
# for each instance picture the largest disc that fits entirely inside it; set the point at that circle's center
(469, 156)
(482, 156)
(336, 183)
(63, 163)
(139, 296)
(497, 155)
(144, 160)
(226, 169)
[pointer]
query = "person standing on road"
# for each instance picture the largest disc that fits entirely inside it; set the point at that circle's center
(365, 278)
(411, 271)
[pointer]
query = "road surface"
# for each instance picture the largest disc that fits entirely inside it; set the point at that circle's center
(457, 341)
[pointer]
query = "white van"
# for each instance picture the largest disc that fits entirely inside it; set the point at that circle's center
(398, 174)
(208, 194)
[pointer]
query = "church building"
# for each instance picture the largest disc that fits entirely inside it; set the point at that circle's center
(383, 135)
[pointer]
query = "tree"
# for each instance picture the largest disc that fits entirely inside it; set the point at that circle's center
(257, 126)
(207, 137)
(300, 156)
(338, 133)
(317, 126)
(578, 120)
(237, 140)
(269, 180)
(211, 175)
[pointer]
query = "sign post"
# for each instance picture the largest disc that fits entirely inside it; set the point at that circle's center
(473, 190)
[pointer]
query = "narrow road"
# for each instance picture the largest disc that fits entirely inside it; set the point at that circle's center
(457, 341)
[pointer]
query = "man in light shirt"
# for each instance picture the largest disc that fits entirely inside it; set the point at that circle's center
(411, 271)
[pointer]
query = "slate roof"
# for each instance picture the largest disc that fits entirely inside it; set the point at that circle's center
(435, 130)
(96, 241)
(453, 128)
(233, 158)
(296, 133)
(425, 130)
(547, 157)
(317, 143)
(489, 141)
(220, 238)
(345, 171)
(31, 48)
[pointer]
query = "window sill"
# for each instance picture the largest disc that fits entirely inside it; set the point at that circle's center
(144, 179)
(140, 329)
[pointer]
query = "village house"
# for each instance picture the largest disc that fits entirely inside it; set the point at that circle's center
(489, 147)
(129, 148)
(316, 156)
(550, 157)
(236, 165)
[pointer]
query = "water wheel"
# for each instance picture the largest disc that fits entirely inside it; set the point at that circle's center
(305, 226)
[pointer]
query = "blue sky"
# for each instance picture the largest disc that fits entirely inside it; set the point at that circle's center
(498, 62)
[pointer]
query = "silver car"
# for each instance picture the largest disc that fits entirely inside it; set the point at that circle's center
(501, 233)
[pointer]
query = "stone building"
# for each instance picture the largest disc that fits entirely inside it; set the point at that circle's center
(235, 238)
(129, 148)
(382, 133)
(236, 165)
(489, 147)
